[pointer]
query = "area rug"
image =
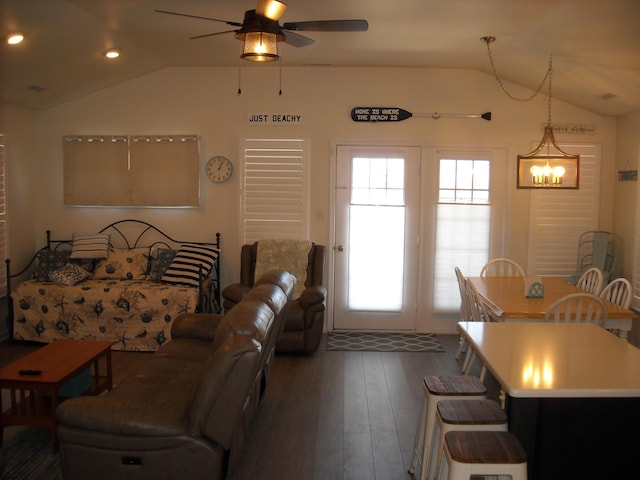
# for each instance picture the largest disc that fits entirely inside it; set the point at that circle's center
(384, 342)
(28, 455)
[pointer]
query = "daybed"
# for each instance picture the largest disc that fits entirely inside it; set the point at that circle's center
(187, 411)
(127, 283)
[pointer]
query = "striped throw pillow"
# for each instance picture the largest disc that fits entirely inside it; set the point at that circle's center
(90, 246)
(185, 266)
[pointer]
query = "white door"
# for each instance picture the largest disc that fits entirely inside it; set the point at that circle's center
(376, 238)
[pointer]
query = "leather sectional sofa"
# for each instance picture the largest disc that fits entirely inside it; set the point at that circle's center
(185, 412)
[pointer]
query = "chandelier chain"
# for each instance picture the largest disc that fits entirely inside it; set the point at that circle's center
(547, 75)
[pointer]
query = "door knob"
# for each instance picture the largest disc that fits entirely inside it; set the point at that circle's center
(340, 248)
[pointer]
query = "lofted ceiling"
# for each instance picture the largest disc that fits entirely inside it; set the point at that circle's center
(595, 43)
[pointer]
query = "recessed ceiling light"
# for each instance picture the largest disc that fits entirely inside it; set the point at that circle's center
(112, 53)
(15, 38)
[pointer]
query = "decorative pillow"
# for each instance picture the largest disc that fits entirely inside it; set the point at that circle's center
(123, 264)
(90, 246)
(160, 263)
(185, 267)
(70, 274)
(49, 261)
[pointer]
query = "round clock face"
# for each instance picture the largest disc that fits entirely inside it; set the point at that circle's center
(219, 169)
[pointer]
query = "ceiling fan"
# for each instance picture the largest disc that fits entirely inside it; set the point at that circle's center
(261, 31)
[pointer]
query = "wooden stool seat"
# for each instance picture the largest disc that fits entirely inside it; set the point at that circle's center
(470, 453)
(476, 412)
(437, 388)
(484, 447)
(458, 385)
(455, 415)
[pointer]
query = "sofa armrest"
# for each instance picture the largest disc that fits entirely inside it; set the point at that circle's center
(199, 326)
(234, 292)
(312, 296)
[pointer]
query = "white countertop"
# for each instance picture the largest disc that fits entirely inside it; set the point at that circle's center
(568, 360)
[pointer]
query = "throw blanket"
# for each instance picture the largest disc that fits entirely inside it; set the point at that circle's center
(290, 255)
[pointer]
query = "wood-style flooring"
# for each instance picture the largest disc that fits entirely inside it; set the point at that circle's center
(330, 415)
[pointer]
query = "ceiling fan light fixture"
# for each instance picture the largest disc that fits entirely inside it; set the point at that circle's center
(272, 9)
(260, 47)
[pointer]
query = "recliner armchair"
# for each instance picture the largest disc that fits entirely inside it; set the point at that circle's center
(304, 321)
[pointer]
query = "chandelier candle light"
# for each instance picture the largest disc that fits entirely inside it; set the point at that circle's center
(547, 166)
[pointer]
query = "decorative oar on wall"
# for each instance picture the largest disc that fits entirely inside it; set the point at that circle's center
(395, 114)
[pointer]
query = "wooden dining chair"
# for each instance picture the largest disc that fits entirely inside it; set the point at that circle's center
(618, 292)
(502, 267)
(465, 312)
(578, 307)
(591, 281)
(479, 313)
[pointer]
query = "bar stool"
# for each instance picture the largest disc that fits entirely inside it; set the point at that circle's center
(437, 388)
(482, 453)
(454, 415)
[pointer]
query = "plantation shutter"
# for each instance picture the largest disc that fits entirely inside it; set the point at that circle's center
(274, 190)
(558, 217)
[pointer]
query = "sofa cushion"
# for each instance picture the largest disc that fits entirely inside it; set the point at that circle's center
(151, 402)
(50, 261)
(276, 277)
(270, 294)
(123, 264)
(227, 374)
(160, 262)
(189, 260)
(252, 318)
(69, 275)
(90, 246)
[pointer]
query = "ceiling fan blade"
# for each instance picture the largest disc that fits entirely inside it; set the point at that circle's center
(328, 26)
(212, 34)
(271, 9)
(233, 24)
(297, 40)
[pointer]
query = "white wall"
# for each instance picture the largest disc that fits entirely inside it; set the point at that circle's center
(204, 101)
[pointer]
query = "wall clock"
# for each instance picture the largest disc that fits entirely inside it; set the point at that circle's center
(219, 169)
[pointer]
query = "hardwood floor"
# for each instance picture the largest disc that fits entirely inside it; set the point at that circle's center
(330, 415)
(343, 415)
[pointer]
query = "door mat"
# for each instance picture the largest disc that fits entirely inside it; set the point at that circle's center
(384, 342)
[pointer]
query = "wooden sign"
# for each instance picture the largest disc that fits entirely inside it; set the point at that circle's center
(379, 114)
(274, 118)
(396, 114)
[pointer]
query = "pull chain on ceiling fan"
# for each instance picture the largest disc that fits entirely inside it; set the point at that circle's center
(261, 31)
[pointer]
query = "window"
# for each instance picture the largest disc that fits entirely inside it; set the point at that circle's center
(274, 190)
(463, 216)
(146, 170)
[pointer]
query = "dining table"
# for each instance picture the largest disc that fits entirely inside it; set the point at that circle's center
(507, 300)
(571, 392)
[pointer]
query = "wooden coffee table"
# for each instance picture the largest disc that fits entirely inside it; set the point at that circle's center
(33, 399)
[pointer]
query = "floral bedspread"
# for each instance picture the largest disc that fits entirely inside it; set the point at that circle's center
(136, 314)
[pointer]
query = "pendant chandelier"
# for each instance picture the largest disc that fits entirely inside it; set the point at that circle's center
(547, 166)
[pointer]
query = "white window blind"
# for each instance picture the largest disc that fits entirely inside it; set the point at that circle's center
(463, 220)
(557, 218)
(274, 189)
(3, 220)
